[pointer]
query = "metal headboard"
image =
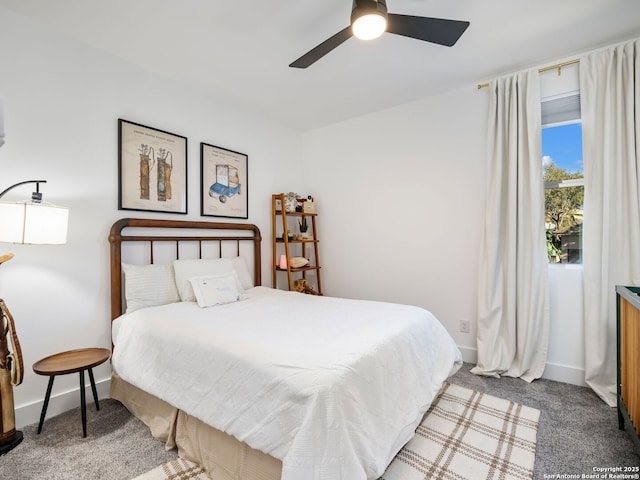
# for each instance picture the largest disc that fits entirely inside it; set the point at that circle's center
(244, 232)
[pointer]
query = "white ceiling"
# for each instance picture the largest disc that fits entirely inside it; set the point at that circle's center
(239, 51)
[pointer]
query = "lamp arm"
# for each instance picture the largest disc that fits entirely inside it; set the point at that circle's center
(37, 182)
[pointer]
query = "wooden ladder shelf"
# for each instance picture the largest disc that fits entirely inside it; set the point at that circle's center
(290, 245)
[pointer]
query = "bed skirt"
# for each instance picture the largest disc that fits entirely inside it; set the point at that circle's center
(221, 455)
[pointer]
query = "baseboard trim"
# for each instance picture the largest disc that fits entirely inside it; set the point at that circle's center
(60, 403)
(552, 371)
(469, 355)
(565, 374)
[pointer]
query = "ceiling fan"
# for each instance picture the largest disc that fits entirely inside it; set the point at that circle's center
(369, 19)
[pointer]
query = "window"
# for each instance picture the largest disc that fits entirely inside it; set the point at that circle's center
(563, 177)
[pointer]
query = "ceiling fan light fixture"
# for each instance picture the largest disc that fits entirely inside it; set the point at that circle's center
(368, 18)
(440, 31)
(369, 26)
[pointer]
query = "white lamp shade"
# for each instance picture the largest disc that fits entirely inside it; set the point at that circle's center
(369, 26)
(33, 223)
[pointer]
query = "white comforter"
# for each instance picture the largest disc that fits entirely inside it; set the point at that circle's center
(332, 387)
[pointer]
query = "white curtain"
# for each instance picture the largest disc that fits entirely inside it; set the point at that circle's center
(513, 297)
(610, 90)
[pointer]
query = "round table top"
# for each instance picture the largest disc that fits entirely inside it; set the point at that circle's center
(71, 361)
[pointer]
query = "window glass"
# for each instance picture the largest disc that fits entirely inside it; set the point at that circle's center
(564, 191)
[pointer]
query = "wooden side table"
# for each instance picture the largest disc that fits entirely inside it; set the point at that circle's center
(71, 362)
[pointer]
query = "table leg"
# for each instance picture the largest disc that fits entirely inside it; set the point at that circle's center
(93, 389)
(46, 403)
(83, 406)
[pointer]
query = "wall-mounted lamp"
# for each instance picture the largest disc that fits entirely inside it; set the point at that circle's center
(368, 18)
(32, 221)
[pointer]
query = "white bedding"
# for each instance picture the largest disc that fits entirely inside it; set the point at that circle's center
(332, 387)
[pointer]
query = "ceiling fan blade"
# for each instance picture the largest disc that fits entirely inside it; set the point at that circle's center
(435, 30)
(321, 50)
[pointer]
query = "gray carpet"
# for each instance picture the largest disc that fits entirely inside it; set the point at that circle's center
(118, 446)
(577, 432)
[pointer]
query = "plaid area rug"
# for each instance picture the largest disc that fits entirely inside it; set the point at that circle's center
(465, 435)
(178, 469)
(469, 435)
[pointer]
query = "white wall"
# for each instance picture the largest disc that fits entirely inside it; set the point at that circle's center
(401, 198)
(566, 330)
(62, 101)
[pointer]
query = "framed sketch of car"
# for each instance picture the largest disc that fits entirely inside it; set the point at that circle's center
(223, 182)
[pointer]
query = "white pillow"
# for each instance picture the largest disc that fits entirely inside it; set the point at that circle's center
(216, 289)
(187, 269)
(149, 285)
(240, 266)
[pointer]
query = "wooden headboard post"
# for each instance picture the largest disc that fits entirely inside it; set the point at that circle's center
(116, 238)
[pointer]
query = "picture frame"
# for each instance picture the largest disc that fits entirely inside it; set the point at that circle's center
(223, 182)
(152, 169)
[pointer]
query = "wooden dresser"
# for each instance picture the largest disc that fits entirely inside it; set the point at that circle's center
(628, 383)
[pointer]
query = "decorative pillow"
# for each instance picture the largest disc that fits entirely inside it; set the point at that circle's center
(216, 289)
(149, 285)
(187, 269)
(240, 266)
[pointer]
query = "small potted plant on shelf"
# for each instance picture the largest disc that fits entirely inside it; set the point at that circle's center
(304, 226)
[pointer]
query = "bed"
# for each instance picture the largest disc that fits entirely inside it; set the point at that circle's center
(255, 383)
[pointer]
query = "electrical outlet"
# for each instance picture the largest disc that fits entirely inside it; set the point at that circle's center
(464, 326)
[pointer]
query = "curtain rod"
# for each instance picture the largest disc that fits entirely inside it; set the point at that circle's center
(557, 66)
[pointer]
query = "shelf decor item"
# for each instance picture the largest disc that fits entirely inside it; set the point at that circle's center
(304, 226)
(223, 182)
(308, 205)
(152, 169)
(290, 202)
(301, 286)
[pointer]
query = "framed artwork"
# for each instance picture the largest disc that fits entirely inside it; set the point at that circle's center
(152, 169)
(223, 182)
